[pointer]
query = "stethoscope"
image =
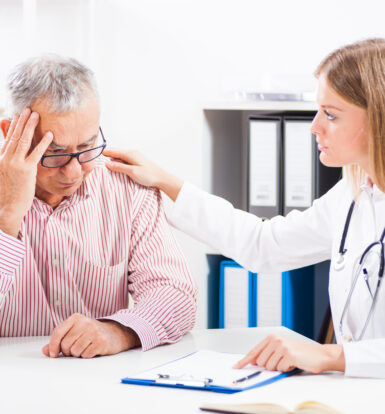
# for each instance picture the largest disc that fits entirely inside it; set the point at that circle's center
(339, 264)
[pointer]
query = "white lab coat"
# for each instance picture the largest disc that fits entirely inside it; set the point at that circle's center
(301, 239)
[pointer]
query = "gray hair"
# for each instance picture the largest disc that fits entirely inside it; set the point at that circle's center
(62, 82)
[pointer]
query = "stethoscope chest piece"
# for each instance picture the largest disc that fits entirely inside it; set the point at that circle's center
(339, 264)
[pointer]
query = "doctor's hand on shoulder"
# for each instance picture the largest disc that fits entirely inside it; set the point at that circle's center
(143, 171)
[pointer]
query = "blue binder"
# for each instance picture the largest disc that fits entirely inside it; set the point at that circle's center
(252, 294)
(297, 300)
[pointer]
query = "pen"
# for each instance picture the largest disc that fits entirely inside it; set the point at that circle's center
(254, 374)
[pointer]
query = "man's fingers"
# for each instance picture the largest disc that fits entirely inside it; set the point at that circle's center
(79, 345)
(58, 334)
(91, 351)
(18, 131)
(10, 131)
(41, 147)
(24, 143)
(45, 350)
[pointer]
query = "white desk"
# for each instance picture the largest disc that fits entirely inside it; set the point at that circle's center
(32, 383)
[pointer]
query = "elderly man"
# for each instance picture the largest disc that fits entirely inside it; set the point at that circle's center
(76, 238)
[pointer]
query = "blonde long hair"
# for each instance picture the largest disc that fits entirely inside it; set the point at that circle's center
(357, 73)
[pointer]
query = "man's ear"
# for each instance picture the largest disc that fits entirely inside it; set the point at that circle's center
(4, 125)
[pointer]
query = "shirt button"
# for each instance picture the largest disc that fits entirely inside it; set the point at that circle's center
(57, 302)
(56, 262)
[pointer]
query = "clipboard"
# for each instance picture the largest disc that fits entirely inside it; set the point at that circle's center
(207, 371)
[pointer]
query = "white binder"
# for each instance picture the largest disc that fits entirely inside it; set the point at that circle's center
(264, 150)
(299, 164)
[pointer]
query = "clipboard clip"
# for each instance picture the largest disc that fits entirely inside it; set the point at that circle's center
(187, 381)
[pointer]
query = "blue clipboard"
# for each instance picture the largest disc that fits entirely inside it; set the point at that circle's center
(162, 380)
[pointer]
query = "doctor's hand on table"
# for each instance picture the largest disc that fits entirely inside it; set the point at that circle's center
(278, 353)
(80, 336)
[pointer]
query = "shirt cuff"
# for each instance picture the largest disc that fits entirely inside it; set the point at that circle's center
(148, 334)
(12, 252)
(365, 358)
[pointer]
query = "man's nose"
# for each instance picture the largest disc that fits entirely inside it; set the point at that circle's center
(73, 169)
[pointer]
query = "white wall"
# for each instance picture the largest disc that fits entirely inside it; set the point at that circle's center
(159, 62)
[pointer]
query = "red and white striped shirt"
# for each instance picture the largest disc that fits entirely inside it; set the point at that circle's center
(108, 239)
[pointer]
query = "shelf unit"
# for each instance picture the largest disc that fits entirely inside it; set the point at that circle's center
(226, 130)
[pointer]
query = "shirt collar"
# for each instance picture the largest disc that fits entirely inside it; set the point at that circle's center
(372, 190)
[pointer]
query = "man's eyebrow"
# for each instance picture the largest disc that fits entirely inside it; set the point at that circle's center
(53, 144)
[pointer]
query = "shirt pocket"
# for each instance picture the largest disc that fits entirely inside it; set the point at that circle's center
(103, 289)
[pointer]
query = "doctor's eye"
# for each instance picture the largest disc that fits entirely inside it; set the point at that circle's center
(329, 116)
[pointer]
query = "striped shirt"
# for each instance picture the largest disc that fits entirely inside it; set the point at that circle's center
(107, 240)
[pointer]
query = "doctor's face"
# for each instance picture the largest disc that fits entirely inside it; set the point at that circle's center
(341, 129)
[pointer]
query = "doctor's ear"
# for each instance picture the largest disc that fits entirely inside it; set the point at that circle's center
(4, 125)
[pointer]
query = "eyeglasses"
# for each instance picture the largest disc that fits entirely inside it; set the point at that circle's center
(57, 161)
(369, 270)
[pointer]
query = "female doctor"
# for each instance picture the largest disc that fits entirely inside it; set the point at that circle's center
(346, 225)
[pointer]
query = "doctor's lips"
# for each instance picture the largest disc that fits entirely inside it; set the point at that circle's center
(321, 147)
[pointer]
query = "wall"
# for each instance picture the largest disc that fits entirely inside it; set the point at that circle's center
(158, 63)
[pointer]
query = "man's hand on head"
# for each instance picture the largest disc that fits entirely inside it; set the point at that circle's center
(80, 336)
(18, 168)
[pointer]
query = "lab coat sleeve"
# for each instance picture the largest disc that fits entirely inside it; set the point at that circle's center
(279, 244)
(365, 358)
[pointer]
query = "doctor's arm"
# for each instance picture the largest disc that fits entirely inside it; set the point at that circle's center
(283, 243)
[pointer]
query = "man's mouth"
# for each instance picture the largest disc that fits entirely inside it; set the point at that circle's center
(66, 184)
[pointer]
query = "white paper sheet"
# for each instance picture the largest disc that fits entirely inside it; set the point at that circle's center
(209, 364)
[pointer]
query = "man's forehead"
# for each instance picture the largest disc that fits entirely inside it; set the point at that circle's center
(70, 128)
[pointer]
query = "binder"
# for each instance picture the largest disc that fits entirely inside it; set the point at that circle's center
(305, 177)
(249, 299)
(286, 299)
(299, 164)
(207, 371)
(264, 166)
(236, 296)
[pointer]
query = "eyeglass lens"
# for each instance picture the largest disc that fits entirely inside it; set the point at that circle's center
(55, 161)
(60, 160)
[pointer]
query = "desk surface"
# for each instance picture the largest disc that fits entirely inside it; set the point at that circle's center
(33, 383)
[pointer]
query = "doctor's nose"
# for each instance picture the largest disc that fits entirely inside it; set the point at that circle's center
(316, 127)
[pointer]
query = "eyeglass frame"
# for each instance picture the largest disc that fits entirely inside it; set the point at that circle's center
(354, 282)
(76, 154)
